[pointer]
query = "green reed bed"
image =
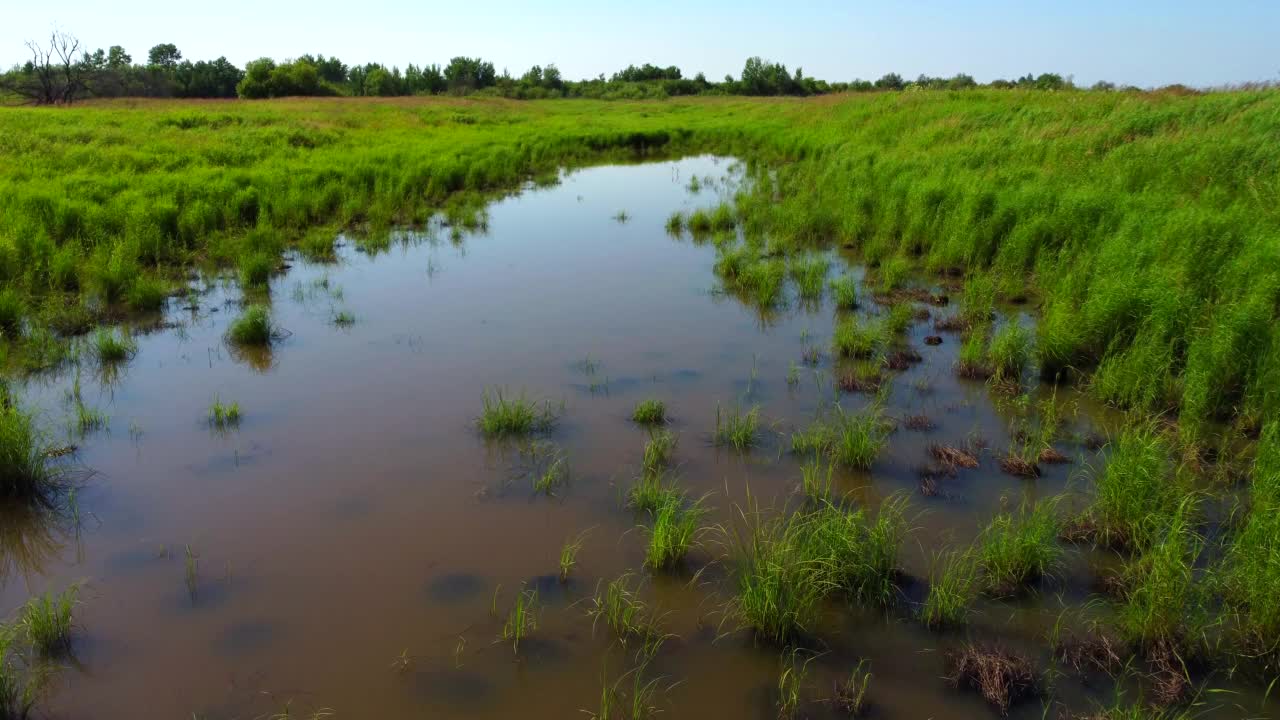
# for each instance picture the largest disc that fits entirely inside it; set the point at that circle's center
(1250, 570)
(1165, 603)
(1011, 349)
(860, 338)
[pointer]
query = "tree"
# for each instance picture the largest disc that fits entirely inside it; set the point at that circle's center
(53, 74)
(164, 55)
(256, 82)
(464, 74)
(117, 58)
(890, 81)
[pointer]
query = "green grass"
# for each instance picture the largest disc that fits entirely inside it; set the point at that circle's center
(673, 532)
(953, 587)
(791, 681)
(522, 619)
(658, 451)
(1250, 569)
(253, 327)
(110, 347)
(787, 565)
(860, 338)
(858, 438)
(549, 479)
(256, 269)
(1016, 550)
(18, 689)
(737, 429)
(1137, 489)
(616, 605)
(851, 692)
(810, 275)
(224, 416)
(1165, 602)
(1034, 192)
(650, 492)
(650, 412)
(47, 623)
(1011, 350)
(816, 481)
(502, 415)
(844, 292)
(12, 312)
(569, 555)
(25, 472)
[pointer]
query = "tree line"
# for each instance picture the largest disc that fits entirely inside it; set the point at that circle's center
(60, 70)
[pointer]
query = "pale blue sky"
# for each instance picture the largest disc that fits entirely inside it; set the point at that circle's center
(1143, 42)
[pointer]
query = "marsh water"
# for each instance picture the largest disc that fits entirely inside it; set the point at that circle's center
(345, 547)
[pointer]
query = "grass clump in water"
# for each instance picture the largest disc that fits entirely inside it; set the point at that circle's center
(1136, 491)
(504, 416)
(858, 438)
(255, 269)
(674, 530)
(1010, 351)
(851, 693)
(953, 587)
(224, 416)
(569, 555)
(18, 693)
(737, 429)
(253, 328)
(650, 412)
(46, 620)
(844, 291)
(1002, 676)
(810, 275)
(617, 605)
(658, 451)
(1018, 549)
(859, 338)
(522, 619)
(786, 566)
(111, 348)
(1164, 603)
(25, 472)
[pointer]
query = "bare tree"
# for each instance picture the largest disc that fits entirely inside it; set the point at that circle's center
(53, 75)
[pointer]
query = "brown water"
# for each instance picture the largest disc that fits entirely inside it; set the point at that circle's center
(357, 516)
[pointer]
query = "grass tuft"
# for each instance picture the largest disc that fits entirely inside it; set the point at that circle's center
(737, 429)
(46, 620)
(504, 416)
(253, 328)
(650, 412)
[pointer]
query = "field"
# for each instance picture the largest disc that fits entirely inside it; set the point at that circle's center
(965, 356)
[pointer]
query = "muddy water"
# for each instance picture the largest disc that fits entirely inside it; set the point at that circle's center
(345, 546)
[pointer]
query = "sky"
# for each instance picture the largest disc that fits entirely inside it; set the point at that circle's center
(1139, 42)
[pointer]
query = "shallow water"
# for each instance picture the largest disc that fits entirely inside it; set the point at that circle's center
(347, 542)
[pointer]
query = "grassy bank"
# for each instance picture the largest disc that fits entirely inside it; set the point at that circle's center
(1146, 222)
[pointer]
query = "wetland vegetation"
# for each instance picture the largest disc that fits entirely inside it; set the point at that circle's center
(969, 392)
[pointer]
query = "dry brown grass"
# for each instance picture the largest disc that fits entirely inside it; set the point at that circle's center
(1002, 676)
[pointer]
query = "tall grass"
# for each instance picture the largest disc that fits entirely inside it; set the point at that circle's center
(18, 690)
(110, 347)
(25, 471)
(1018, 549)
(1029, 193)
(1165, 602)
(673, 532)
(1250, 569)
(1137, 489)
(785, 566)
(1010, 351)
(953, 587)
